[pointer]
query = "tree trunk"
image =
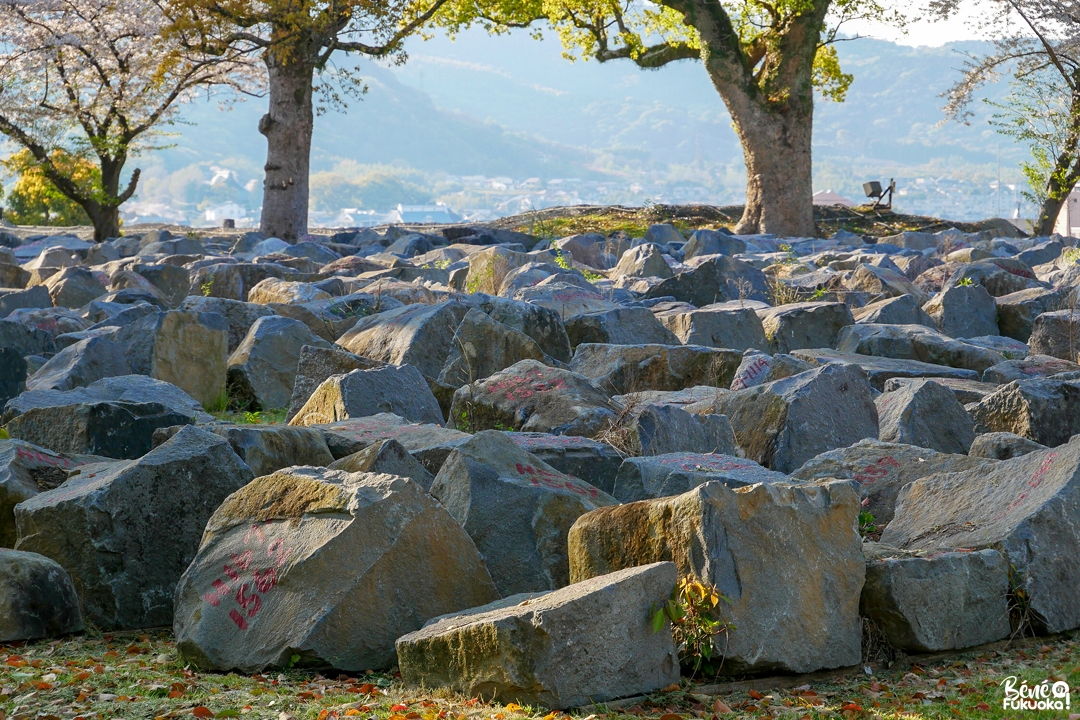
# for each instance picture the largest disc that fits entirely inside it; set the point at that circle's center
(106, 219)
(106, 216)
(779, 172)
(287, 127)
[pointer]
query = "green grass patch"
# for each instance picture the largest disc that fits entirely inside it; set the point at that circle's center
(262, 417)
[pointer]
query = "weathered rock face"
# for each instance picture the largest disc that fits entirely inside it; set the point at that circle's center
(642, 261)
(594, 462)
(268, 449)
(327, 565)
(883, 281)
(482, 346)
(1056, 334)
(882, 469)
(805, 325)
(12, 374)
(565, 298)
(589, 642)
(419, 335)
(963, 311)
(126, 388)
(541, 324)
(621, 326)
(239, 316)
(757, 368)
(785, 618)
(532, 397)
(74, 287)
(186, 349)
(926, 414)
(25, 471)
(400, 390)
(711, 242)
(104, 525)
(25, 338)
(262, 369)
(1032, 366)
(315, 366)
(630, 368)
(1024, 508)
(275, 290)
(941, 601)
(642, 478)
(37, 599)
(663, 429)
(386, 457)
(1002, 446)
(12, 299)
(517, 509)
(881, 370)
(79, 365)
(1044, 410)
(915, 342)
(784, 423)
(902, 310)
(718, 279)
(731, 325)
(1017, 311)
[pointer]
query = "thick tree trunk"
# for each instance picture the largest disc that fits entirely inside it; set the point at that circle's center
(287, 127)
(106, 221)
(779, 172)
(1048, 215)
(106, 216)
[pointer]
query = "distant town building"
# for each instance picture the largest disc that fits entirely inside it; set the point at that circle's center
(1068, 220)
(438, 213)
(828, 197)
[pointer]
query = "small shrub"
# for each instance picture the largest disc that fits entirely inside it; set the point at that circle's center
(965, 282)
(694, 609)
(867, 523)
(252, 418)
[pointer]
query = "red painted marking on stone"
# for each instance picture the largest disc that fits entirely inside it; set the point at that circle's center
(876, 470)
(238, 619)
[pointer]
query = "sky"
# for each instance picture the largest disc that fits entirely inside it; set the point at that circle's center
(924, 32)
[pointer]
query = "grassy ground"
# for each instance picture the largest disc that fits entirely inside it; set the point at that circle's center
(265, 417)
(138, 675)
(559, 222)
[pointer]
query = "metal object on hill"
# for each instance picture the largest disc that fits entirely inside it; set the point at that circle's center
(873, 190)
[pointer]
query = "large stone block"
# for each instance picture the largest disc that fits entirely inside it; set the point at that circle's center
(126, 531)
(324, 564)
(794, 594)
(623, 369)
(926, 414)
(400, 390)
(37, 598)
(262, 370)
(1025, 508)
(589, 642)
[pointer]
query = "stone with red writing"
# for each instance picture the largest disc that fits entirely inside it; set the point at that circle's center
(482, 346)
(318, 364)
(787, 557)
(532, 397)
(642, 478)
(596, 463)
(587, 643)
(311, 566)
(757, 368)
(516, 508)
(26, 470)
(1025, 508)
(902, 310)
(397, 389)
(962, 311)
(1045, 410)
(621, 326)
(718, 279)
(926, 414)
(804, 325)
(420, 335)
(386, 457)
(1002, 446)
(623, 369)
(784, 423)
(37, 598)
(567, 299)
(734, 325)
(126, 531)
(79, 365)
(1056, 334)
(1032, 366)
(932, 602)
(663, 429)
(882, 469)
(915, 342)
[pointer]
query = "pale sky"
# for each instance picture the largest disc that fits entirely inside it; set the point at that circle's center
(924, 32)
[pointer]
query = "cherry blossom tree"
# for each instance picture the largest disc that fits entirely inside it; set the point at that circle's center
(296, 40)
(98, 79)
(1037, 46)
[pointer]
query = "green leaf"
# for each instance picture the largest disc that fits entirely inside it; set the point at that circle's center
(658, 621)
(228, 713)
(4, 434)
